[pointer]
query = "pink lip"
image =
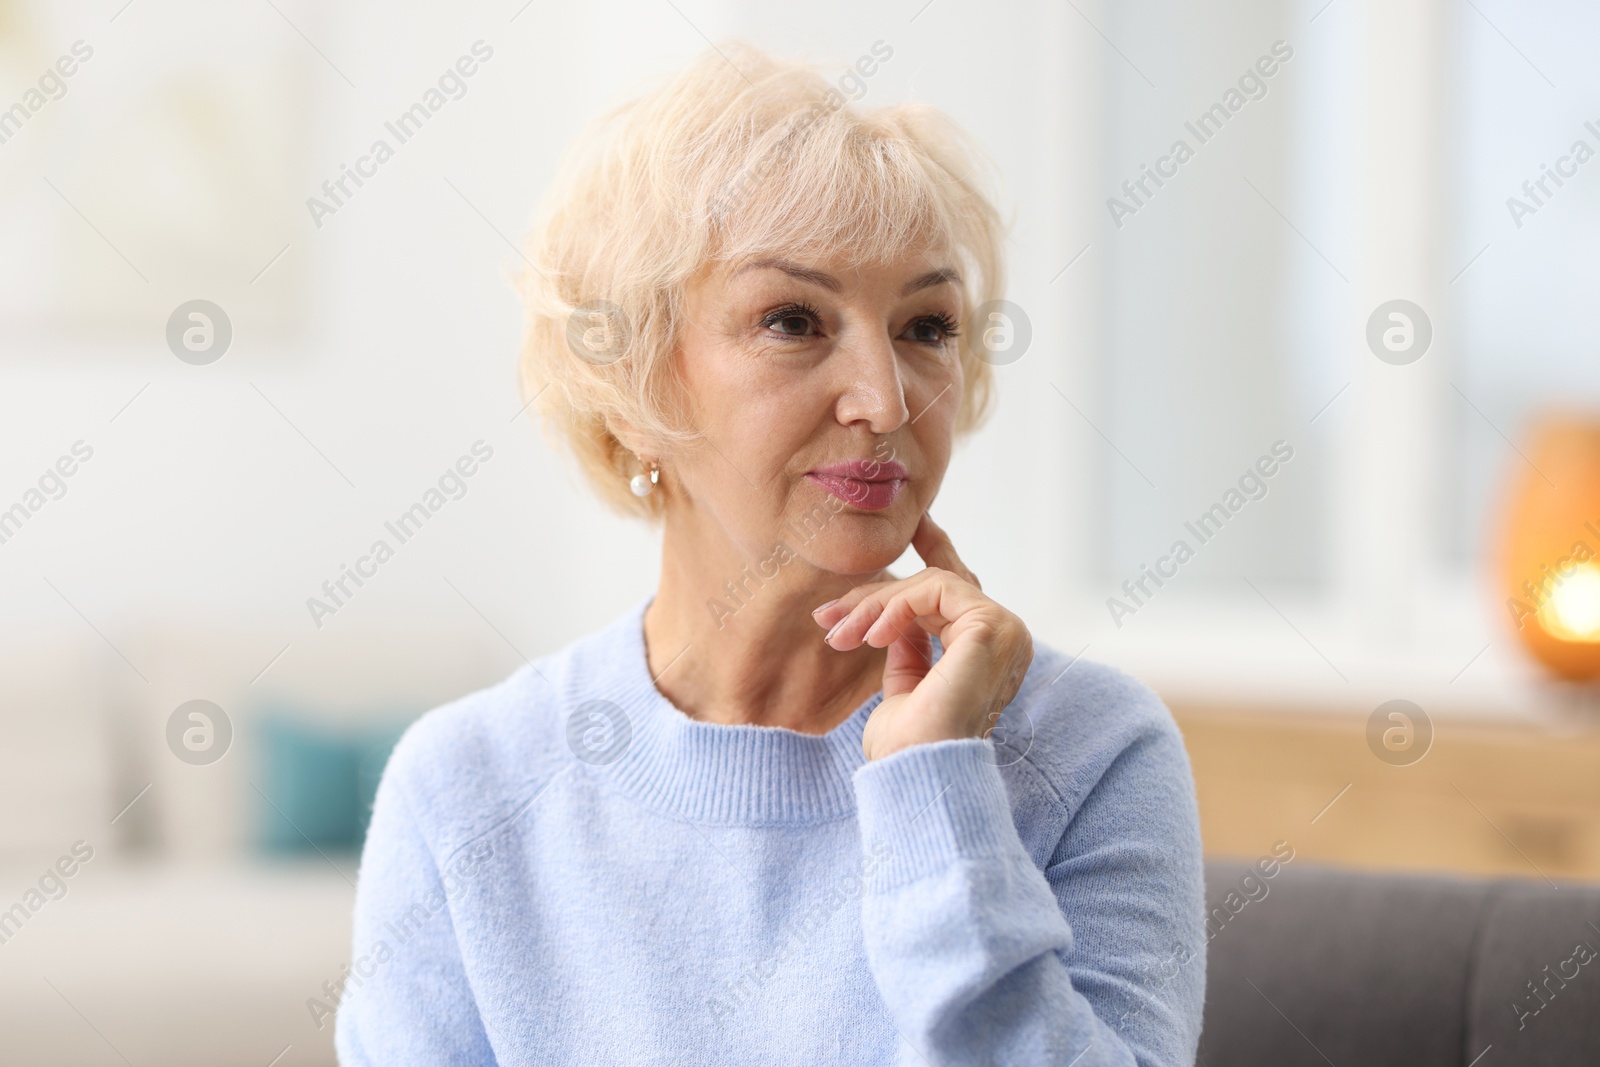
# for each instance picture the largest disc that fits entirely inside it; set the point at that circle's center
(871, 485)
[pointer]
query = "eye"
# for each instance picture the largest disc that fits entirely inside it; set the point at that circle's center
(793, 320)
(933, 329)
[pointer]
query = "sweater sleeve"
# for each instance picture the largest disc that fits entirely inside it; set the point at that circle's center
(983, 958)
(407, 999)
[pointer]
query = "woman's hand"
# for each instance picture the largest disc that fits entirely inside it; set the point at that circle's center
(987, 649)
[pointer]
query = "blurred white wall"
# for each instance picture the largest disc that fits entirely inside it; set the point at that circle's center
(371, 351)
(226, 494)
(367, 355)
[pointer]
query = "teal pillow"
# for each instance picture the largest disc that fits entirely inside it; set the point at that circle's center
(318, 780)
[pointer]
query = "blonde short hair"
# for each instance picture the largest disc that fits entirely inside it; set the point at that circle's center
(738, 156)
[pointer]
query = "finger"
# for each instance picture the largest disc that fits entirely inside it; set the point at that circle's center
(835, 612)
(908, 663)
(929, 601)
(827, 614)
(937, 550)
(929, 607)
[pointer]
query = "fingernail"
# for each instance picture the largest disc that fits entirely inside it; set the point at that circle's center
(829, 635)
(825, 607)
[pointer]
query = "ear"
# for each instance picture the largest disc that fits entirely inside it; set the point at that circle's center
(627, 435)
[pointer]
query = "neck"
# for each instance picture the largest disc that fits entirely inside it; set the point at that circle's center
(731, 639)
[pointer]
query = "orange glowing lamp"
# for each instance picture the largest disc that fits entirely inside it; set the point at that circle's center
(1552, 547)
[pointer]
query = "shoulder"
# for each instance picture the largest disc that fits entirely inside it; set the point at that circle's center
(1076, 725)
(468, 766)
(462, 766)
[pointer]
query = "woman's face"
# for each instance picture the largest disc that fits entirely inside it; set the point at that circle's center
(793, 368)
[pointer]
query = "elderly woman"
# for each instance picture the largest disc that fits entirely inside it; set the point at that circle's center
(789, 808)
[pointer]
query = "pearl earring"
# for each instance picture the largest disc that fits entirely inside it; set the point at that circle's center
(644, 485)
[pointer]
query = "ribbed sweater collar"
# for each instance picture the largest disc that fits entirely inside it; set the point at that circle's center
(720, 773)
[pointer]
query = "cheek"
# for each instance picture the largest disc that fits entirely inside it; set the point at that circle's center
(934, 409)
(754, 423)
(933, 394)
(935, 445)
(766, 414)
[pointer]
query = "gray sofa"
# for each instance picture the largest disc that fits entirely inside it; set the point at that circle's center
(1315, 966)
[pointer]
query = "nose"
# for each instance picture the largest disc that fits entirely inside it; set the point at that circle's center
(871, 389)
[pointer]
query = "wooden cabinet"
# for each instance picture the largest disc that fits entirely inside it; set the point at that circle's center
(1484, 800)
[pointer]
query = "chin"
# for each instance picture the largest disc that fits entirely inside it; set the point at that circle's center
(853, 547)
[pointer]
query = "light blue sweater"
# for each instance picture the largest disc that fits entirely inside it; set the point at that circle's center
(565, 869)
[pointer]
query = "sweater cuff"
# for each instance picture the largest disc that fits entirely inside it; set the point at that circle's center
(929, 806)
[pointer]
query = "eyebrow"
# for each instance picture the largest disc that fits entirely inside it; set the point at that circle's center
(830, 283)
(931, 279)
